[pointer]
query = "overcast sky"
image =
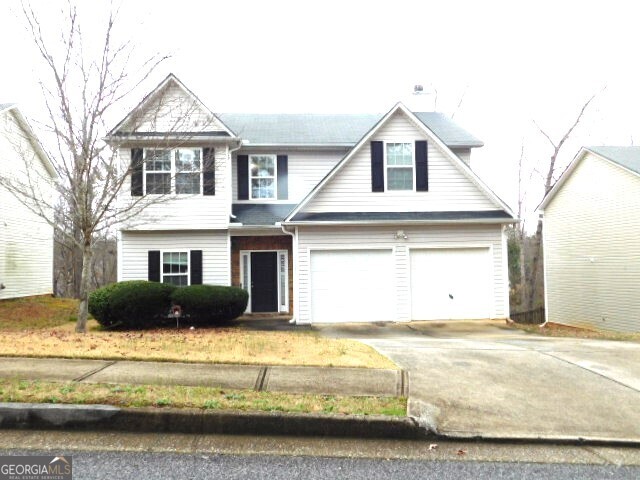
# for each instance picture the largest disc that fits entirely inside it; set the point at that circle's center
(510, 62)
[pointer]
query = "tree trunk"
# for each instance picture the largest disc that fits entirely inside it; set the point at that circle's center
(83, 308)
(535, 266)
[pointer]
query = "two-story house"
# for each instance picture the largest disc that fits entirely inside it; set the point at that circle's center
(326, 218)
(26, 238)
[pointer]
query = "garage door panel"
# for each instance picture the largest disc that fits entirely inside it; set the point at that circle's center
(352, 285)
(450, 284)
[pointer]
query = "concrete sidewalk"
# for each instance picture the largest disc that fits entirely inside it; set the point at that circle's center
(313, 380)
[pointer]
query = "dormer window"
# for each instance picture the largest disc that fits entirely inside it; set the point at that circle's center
(262, 171)
(399, 157)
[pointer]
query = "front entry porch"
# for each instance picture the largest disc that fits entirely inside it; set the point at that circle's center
(263, 266)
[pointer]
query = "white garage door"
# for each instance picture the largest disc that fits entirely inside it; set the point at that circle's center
(352, 286)
(451, 284)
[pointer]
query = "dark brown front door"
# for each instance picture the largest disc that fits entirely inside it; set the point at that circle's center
(264, 282)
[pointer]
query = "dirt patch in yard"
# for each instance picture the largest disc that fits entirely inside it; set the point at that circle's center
(558, 330)
(43, 311)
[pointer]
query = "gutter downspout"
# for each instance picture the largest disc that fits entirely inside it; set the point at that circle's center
(294, 258)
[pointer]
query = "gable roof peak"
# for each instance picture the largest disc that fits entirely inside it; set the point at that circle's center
(171, 78)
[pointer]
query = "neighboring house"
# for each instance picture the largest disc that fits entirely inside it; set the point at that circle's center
(26, 240)
(592, 241)
(325, 218)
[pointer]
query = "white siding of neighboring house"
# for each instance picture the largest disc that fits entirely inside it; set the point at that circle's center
(306, 169)
(134, 246)
(449, 188)
(174, 110)
(592, 248)
(463, 154)
(183, 212)
(362, 237)
(26, 240)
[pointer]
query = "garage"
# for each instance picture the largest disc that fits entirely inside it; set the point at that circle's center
(352, 285)
(450, 284)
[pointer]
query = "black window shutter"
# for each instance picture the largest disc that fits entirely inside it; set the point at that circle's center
(243, 177)
(422, 166)
(377, 166)
(208, 172)
(283, 177)
(154, 266)
(136, 172)
(196, 267)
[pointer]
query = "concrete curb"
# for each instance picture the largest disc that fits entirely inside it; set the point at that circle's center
(42, 416)
(106, 417)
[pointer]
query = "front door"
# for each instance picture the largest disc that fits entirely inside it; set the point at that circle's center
(264, 282)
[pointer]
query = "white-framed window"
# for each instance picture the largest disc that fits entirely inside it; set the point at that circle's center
(177, 170)
(262, 177)
(399, 165)
(157, 171)
(175, 268)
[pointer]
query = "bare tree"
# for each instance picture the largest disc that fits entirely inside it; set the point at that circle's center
(79, 90)
(550, 175)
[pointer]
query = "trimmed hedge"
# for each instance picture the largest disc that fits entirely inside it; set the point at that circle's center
(210, 304)
(141, 304)
(131, 304)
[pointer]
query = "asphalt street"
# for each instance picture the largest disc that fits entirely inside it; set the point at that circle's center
(130, 465)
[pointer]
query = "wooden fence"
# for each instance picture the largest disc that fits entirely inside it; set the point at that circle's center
(532, 317)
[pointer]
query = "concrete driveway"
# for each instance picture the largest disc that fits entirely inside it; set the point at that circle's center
(487, 380)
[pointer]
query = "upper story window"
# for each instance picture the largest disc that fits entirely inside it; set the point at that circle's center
(262, 173)
(177, 170)
(399, 166)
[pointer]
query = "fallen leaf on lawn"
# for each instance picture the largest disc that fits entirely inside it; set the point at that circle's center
(461, 452)
(433, 446)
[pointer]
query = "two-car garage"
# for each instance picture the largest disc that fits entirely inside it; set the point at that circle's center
(418, 283)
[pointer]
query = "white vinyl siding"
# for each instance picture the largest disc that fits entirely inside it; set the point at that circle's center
(592, 248)
(306, 169)
(182, 212)
(374, 237)
(216, 263)
(174, 110)
(449, 187)
(26, 240)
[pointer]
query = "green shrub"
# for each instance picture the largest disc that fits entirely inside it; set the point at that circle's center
(131, 304)
(99, 301)
(210, 304)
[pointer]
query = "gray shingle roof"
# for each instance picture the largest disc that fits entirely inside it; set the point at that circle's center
(260, 213)
(628, 157)
(331, 129)
(406, 216)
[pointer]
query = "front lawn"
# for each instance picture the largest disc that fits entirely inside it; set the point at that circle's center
(44, 327)
(195, 397)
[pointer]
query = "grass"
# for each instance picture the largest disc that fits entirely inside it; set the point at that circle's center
(558, 330)
(124, 395)
(41, 327)
(37, 312)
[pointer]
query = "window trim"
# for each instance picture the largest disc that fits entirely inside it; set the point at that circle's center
(274, 157)
(413, 164)
(188, 273)
(173, 171)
